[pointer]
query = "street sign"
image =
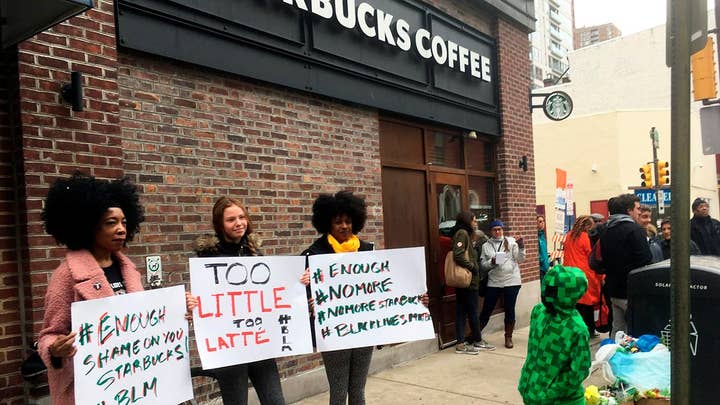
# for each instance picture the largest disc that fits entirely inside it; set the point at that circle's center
(710, 129)
(649, 196)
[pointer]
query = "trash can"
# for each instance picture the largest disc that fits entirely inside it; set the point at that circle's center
(649, 313)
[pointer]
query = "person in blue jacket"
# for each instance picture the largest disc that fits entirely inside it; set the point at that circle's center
(543, 259)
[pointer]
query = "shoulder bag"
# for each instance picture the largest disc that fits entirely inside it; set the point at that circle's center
(456, 275)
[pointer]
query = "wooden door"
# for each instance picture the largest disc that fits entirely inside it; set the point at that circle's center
(599, 207)
(448, 196)
(430, 174)
(404, 208)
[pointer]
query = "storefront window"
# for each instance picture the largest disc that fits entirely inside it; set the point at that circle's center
(481, 194)
(445, 150)
(479, 155)
(449, 206)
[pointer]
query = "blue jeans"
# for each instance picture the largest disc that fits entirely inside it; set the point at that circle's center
(466, 301)
(510, 294)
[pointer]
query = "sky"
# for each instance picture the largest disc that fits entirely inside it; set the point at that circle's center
(629, 16)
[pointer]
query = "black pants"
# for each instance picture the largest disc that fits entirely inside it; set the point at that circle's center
(347, 373)
(466, 301)
(233, 381)
(588, 315)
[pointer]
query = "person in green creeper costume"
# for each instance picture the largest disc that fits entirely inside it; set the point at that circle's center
(558, 356)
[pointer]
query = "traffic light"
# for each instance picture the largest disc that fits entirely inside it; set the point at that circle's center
(646, 175)
(703, 72)
(663, 172)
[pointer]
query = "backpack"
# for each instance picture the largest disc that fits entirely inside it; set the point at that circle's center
(596, 259)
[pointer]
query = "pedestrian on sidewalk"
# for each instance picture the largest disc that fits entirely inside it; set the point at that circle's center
(666, 234)
(704, 230)
(644, 220)
(577, 254)
(624, 248)
(466, 299)
(234, 237)
(543, 259)
(558, 355)
(95, 219)
(501, 255)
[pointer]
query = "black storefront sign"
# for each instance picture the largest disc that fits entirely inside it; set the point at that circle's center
(396, 55)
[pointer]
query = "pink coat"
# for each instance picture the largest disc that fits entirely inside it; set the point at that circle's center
(78, 278)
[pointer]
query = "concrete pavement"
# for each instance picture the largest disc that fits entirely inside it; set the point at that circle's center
(445, 377)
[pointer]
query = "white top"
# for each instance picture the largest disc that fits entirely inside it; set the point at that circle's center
(506, 271)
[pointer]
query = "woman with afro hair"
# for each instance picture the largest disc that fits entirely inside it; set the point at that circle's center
(339, 218)
(95, 219)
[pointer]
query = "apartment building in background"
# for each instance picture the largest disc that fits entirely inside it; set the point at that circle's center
(586, 36)
(551, 41)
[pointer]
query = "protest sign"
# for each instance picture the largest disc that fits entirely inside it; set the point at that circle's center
(250, 308)
(132, 348)
(369, 298)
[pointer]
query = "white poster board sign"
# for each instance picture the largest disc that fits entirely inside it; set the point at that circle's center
(369, 298)
(249, 309)
(132, 348)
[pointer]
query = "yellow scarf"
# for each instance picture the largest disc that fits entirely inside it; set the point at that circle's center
(350, 245)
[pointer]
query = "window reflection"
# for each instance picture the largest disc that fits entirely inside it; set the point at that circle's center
(445, 150)
(449, 206)
(482, 197)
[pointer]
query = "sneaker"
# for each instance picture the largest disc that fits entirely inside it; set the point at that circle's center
(464, 348)
(483, 345)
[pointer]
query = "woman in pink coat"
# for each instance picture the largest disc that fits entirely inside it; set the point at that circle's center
(94, 219)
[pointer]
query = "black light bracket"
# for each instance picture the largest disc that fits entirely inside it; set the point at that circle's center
(72, 92)
(523, 164)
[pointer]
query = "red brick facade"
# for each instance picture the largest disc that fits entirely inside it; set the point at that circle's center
(516, 188)
(187, 135)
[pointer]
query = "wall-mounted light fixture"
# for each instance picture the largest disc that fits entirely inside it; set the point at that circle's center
(523, 163)
(472, 135)
(72, 92)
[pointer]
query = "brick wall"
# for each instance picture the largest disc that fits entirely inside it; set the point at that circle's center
(190, 136)
(516, 188)
(55, 140)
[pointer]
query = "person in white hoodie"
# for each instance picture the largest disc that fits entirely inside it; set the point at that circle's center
(501, 255)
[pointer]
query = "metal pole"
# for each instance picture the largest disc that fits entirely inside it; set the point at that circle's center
(680, 158)
(656, 144)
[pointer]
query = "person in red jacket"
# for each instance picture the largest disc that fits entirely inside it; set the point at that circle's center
(577, 251)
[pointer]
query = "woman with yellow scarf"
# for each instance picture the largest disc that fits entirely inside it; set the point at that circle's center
(339, 218)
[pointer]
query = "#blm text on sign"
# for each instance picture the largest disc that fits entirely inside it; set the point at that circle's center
(249, 309)
(369, 298)
(132, 349)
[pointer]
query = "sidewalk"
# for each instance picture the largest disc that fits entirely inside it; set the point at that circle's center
(445, 377)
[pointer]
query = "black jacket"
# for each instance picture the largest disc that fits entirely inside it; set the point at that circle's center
(705, 232)
(212, 246)
(322, 246)
(624, 248)
(665, 246)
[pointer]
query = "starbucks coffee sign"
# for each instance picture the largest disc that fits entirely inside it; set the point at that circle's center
(397, 32)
